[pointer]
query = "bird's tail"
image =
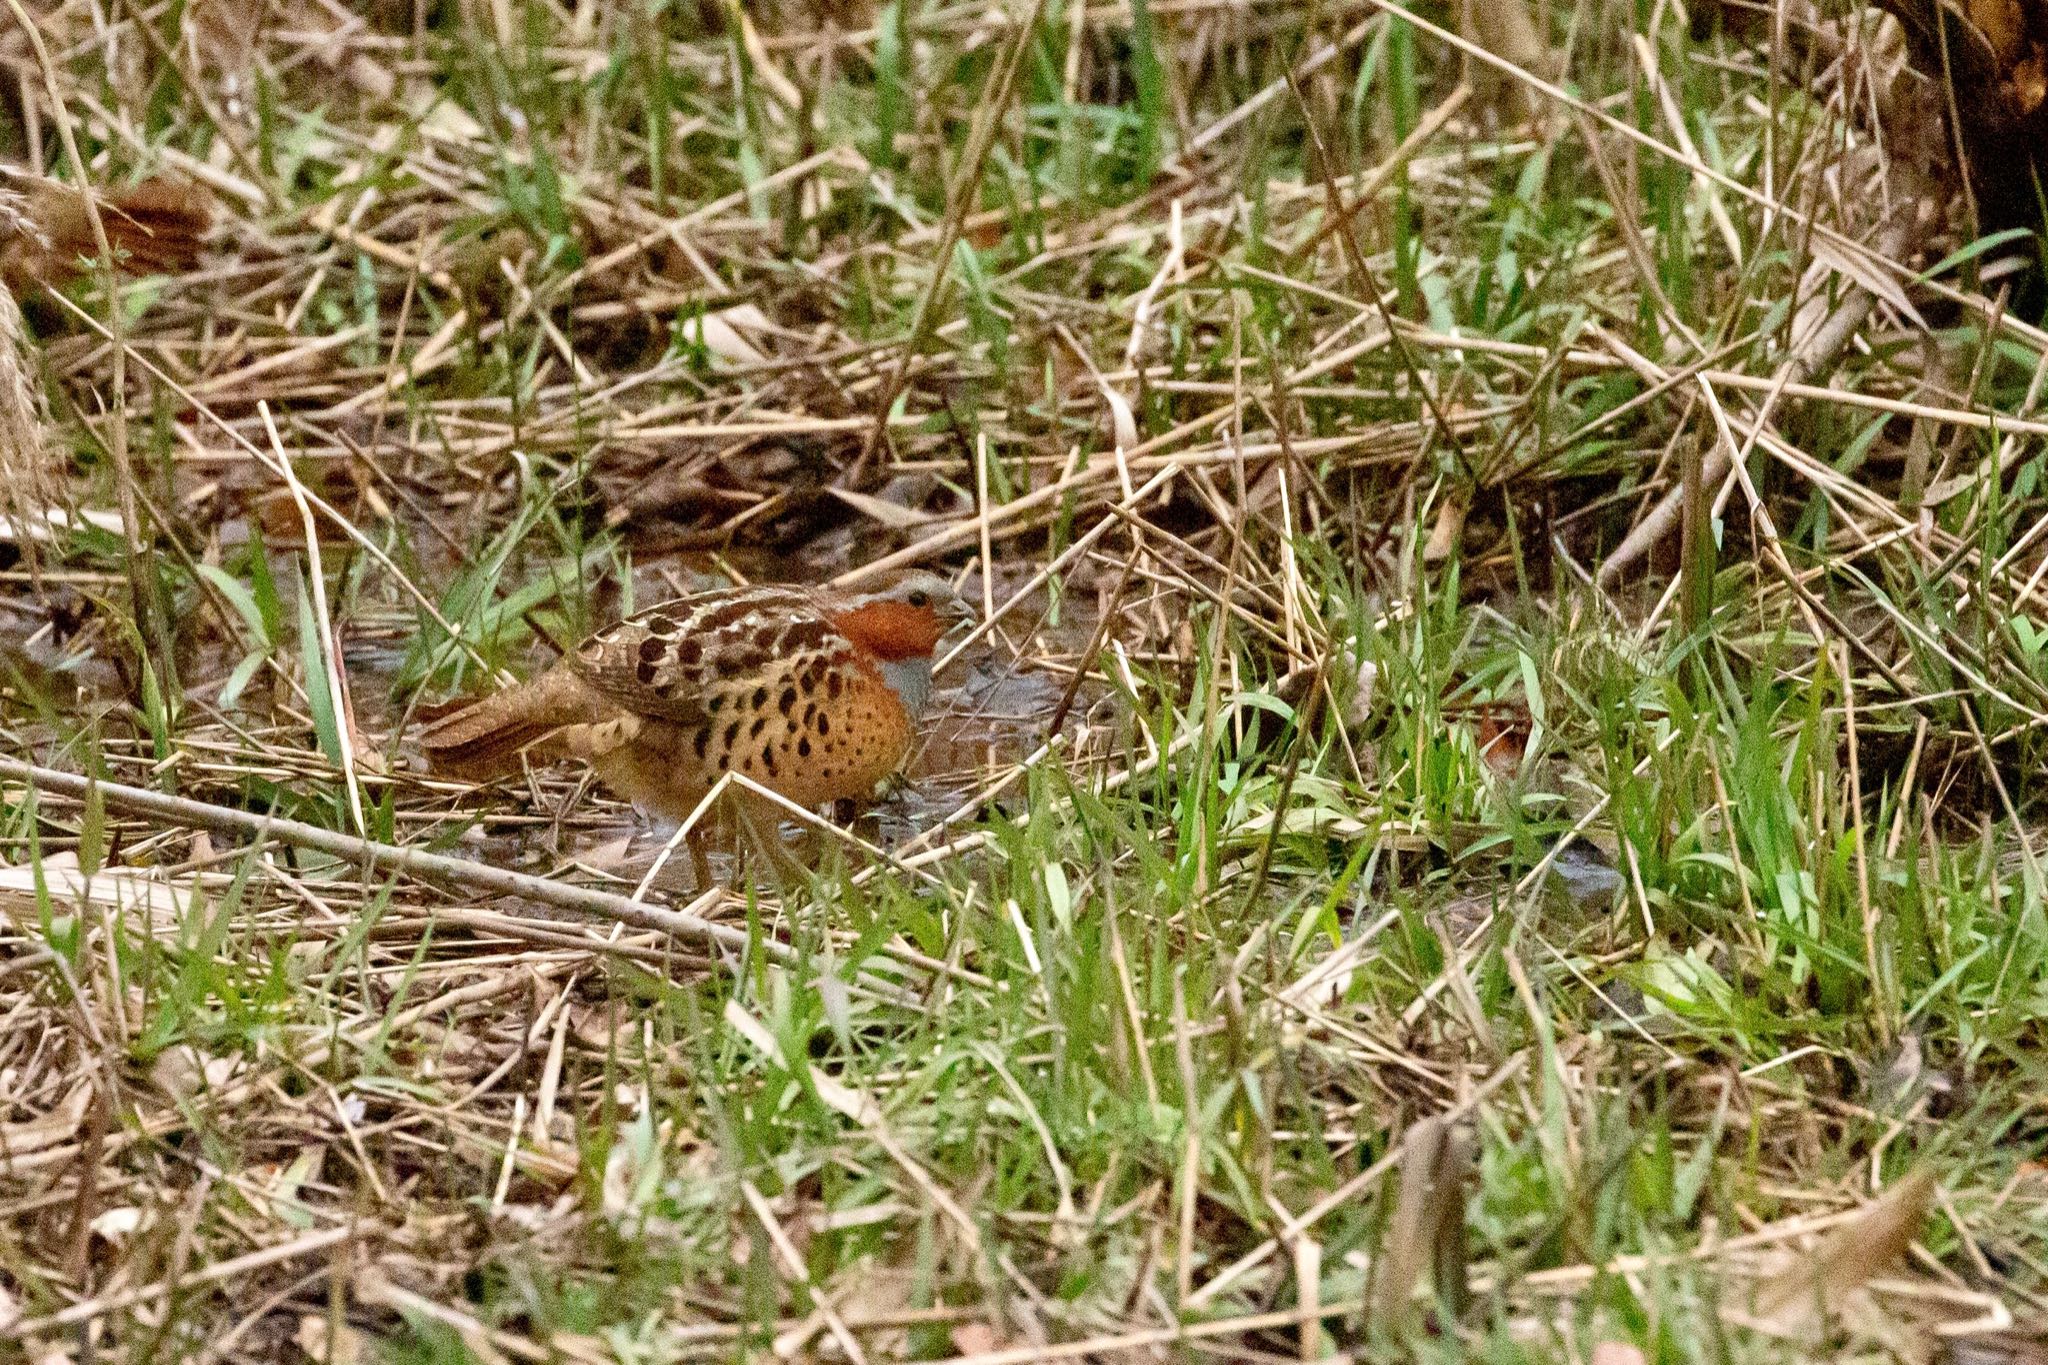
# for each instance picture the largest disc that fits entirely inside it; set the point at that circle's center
(486, 738)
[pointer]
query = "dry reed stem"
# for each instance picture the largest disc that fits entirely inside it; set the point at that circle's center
(1169, 487)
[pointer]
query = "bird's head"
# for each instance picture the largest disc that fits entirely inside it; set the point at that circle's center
(903, 617)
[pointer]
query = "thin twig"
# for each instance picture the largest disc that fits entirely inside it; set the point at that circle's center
(412, 862)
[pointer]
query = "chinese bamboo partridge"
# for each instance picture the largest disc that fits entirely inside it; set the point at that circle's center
(813, 693)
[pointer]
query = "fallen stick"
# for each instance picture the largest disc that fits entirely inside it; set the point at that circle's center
(472, 876)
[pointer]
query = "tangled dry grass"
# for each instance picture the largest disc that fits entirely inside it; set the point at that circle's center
(1493, 810)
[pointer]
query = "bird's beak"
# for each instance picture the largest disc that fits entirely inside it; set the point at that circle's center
(957, 612)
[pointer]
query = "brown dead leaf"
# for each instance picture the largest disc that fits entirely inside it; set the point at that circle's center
(1867, 271)
(1443, 537)
(1798, 1299)
(183, 1072)
(1427, 1229)
(1503, 732)
(893, 515)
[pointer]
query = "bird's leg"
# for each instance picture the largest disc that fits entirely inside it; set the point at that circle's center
(760, 825)
(700, 860)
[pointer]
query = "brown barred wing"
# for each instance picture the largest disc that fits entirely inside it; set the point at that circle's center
(701, 658)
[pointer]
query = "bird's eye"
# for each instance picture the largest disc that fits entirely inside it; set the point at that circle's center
(919, 598)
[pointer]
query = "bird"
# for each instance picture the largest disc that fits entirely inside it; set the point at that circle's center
(814, 693)
(156, 228)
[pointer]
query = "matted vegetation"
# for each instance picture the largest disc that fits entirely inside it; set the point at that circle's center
(1361, 896)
